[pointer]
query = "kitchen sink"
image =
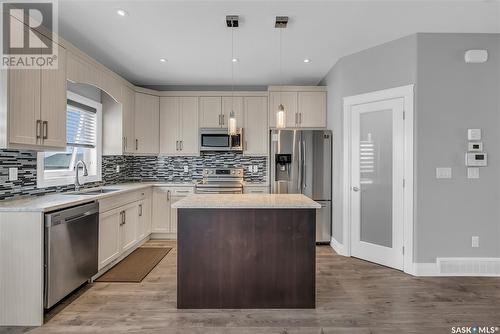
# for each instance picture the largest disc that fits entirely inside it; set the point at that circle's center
(92, 192)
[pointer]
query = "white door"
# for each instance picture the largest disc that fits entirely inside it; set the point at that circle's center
(109, 236)
(147, 129)
(377, 172)
(256, 131)
(188, 126)
(129, 227)
(169, 125)
(312, 109)
(210, 112)
(289, 101)
(161, 210)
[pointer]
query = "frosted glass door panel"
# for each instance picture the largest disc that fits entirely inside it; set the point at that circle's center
(375, 168)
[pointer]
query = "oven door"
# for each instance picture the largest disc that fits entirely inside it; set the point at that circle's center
(215, 142)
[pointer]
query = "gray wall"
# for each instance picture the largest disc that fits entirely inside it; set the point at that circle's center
(386, 66)
(450, 97)
(453, 96)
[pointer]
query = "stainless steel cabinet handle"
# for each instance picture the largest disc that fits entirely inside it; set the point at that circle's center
(38, 129)
(183, 191)
(300, 118)
(123, 143)
(356, 189)
(296, 121)
(140, 210)
(176, 145)
(182, 145)
(223, 119)
(168, 195)
(45, 126)
(136, 144)
(124, 217)
(219, 120)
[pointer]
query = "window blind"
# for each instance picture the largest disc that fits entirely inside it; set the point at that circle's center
(81, 127)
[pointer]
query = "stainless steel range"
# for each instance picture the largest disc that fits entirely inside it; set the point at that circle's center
(221, 181)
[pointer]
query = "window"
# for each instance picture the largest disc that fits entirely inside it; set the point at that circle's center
(83, 137)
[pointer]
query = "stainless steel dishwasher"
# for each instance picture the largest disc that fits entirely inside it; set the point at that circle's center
(71, 244)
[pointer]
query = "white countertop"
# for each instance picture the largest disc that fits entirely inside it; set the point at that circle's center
(246, 201)
(58, 201)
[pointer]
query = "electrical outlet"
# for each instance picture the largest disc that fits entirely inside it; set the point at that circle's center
(443, 173)
(250, 168)
(13, 174)
(255, 168)
(118, 168)
(475, 242)
(186, 169)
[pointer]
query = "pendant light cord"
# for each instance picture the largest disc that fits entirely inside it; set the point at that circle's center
(281, 60)
(232, 68)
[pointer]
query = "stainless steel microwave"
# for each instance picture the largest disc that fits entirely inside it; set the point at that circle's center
(220, 140)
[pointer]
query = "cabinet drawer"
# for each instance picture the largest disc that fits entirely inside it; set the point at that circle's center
(112, 202)
(182, 191)
(256, 190)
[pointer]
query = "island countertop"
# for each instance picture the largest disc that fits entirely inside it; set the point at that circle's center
(246, 201)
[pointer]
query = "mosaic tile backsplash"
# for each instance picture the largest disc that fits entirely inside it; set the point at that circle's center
(131, 169)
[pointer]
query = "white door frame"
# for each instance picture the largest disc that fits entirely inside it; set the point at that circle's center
(405, 92)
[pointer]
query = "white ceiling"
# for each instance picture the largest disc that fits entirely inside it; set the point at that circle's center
(193, 36)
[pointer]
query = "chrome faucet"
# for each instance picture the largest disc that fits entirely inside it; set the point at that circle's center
(78, 185)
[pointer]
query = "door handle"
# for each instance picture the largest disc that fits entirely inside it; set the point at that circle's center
(176, 145)
(296, 118)
(182, 145)
(45, 131)
(168, 195)
(223, 119)
(140, 210)
(136, 144)
(356, 189)
(38, 129)
(220, 123)
(300, 118)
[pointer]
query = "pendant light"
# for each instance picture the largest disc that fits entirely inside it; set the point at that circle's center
(232, 22)
(281, 23)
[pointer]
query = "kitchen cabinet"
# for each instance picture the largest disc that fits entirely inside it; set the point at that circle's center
(128, 119)
(237, 105)
(255, 189)
(130, 220)
(179, 130)
(33, 104)
(82, 71)
(210, 112)
(147, 129)
(164, 219)
(255, 126)
(312, 109)
(144, 220)
(289, 101)
(305, 107)
(111, 85)
(161, 210)
(109, 236)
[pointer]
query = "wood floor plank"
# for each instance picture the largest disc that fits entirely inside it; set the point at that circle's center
(353, 296)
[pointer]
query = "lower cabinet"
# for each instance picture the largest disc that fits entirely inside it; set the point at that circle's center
(256, 189)
(121, 228)
(164, 218)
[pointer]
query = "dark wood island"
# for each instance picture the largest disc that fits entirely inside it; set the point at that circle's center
(246, 251)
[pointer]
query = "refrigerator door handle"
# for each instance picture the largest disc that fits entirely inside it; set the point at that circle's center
(304, 170)
(300, 174)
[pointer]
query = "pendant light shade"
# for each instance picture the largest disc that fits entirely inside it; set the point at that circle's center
(232, 124)
(280, 117)
(281, 23)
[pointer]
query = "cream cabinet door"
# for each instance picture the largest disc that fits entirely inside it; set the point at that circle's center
(236, 104)
(80, 71)
(256, 190)
(173, 214)
(109, 236)
(169, 125)
(161, 210)
(210, 112)
(289, 101)
(312, 109)
(129, 226)
(144, 219)
(256, 131)
(147, 129)
(188, 126)
(111, 86)
(24, 107)
(53, 104)
(128, 119)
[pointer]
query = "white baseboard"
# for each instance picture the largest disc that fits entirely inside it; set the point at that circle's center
(169, 236)
(338, 247)
(459, 266)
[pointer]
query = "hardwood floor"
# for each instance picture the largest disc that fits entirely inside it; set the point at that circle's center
(353, 296)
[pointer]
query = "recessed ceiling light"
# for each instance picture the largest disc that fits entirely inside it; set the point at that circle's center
(122, 12)
(235, 60)
(163, 60)
(307, 60)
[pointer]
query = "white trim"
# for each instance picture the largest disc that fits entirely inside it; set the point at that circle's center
(68, 178)
(405, 92)
(433, 268)
(337, 247)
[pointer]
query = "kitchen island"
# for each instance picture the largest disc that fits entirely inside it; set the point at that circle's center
(246, 251)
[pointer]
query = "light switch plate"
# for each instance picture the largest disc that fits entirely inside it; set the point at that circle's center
(474, 134)
(475, 242)
(13, 174)
(255, 168)
(186, 169)
(118, 168)
(473, 173)
(443, 173)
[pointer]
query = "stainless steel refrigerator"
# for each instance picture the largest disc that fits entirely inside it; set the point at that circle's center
(301, 163)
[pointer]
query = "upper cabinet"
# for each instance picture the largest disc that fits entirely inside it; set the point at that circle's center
(179, 125)
(147, 129)
(211, 112)
(255, 127)
(305, 106)
(127, 119)
(81, 71)
(235, 104)
(33, 104)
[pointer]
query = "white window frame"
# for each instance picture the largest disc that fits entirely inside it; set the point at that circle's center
(60, 178)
